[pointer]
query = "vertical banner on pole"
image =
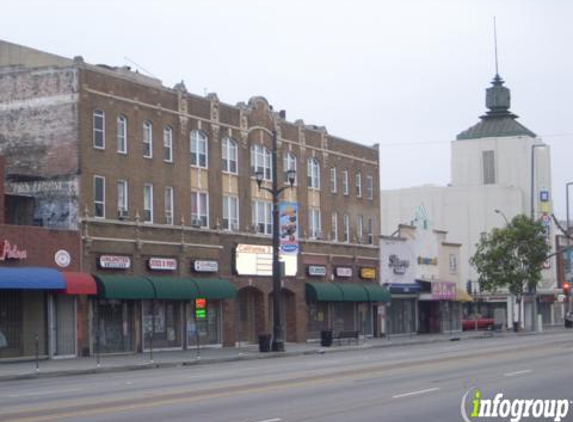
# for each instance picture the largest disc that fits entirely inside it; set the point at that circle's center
(288, 227)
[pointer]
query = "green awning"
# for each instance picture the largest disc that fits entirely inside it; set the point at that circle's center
(323, 292)
(353, 292)
(174, 288)
(124, 287)
(377, 293)
(215, 288)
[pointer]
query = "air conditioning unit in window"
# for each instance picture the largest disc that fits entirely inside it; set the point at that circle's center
(318, 235)
(122, 214)
(235, 227)
(196, 222)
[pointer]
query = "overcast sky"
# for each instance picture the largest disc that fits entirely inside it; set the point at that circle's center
(408, 75)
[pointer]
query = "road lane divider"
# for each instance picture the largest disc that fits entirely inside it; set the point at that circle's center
(415, 393)
(513, 374)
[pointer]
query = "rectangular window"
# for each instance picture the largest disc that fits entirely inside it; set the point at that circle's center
(99, 196)
(346, 233)
(345, 182)
(169, 205)
(198, 148)
(261, 161)
(121, 134)
(122, 199)
(359, 185)
(99, 129)
(333, 184)
(148, 203)
(369, 187)
(200, 209)
(230, 153)
(453, 264)
(262, 217)
(359, 229)
(147, 140)
(488, 168)
(334, 227)
(230, 213)
(370, 231)
(314, 229)
(168, 145)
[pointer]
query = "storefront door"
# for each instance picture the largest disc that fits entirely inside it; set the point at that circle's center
(62, 326)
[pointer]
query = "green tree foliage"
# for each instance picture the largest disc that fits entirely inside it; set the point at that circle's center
(511, 257)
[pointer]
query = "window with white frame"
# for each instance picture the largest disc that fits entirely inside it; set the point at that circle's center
(369, 187)
(148, 203)
(122, 199)
(199, 209)
(488, 167)
(99, 129)
(289, 163)
(314, 228)
(198, 145)
(359, 185)
(261, 161)
(230, 155)
(168, 144)
(334, 226)
(147, 139)
(230, 213)
(359, 229)
(313, 173)
(262, 217)
(169, 205)
(370, 232)
(122, 134)
(346, 229)
(333, 180)
(99, 196)
(345, 182)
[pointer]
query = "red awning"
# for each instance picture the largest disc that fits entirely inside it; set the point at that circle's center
(79, 284)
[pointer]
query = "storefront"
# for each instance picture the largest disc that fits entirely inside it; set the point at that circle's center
(401, 313)
(438, 310)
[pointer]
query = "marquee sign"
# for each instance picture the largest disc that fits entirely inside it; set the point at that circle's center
(258, 260)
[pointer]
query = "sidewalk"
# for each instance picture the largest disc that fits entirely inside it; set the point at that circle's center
(163, 359)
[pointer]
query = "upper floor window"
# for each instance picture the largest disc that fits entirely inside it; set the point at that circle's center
(314, 226)
(148, 203)
(262, 217)
(147, 139)
(345, 182)
(122, 134)
(289, 163)
(360, 229)
(200, 209)
(261, 161)
(369, 187)
(313, 173)
(99, 196)
(168, 144)
(231, 213)
(370, 232)
(122, 199)
(169, 205)
(99, 129)
(334, 226)
(333, 181)
(198, 149)
(230, 155)
(359, 185)
(346, 229)
(488, 167)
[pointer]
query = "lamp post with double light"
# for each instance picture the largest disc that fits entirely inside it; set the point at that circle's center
(278, 341)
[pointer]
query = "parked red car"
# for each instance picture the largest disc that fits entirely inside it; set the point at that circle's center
(482, 323)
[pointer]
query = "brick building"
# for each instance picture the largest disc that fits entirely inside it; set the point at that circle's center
(161, 184)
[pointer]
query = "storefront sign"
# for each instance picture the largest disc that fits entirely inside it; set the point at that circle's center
(343, 272)
(443, 291)
(114, 261)
(316, 270)
(258, 260)
(398, 265)
(288, 223)
(162, 264)
(200, 308)
(206, 266)
(422, 260)
(368, 273)
(62, 258)
(9, 251)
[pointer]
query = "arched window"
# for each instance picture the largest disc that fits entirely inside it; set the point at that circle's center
(199, 152)
(230, 153)
(313, 173)
(289, 163)
(261, 161)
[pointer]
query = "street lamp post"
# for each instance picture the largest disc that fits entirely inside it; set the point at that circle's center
(532, 199)
(568, 241)
(278, 342)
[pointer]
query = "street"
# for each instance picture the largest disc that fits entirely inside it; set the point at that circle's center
(405, 383)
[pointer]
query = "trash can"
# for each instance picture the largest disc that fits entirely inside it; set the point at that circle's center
(326, 338)
(264, 343)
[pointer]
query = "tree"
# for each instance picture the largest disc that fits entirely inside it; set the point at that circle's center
(512, 257)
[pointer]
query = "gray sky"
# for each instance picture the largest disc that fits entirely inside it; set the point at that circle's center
(409, 75)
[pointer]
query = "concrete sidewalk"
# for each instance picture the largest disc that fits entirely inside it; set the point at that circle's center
(163, 359)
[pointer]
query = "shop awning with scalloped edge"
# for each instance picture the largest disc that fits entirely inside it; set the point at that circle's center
(124, 287)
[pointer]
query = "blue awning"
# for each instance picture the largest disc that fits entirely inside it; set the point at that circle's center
(31, 278)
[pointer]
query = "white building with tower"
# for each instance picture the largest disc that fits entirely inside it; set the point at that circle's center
(499, 169)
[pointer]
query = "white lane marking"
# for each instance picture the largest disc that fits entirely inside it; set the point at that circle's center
(43, 393)
(512, 374)
(415, 393)
(271, 420)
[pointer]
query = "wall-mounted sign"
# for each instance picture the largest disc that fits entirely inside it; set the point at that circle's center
(343, 272)
(316, 270)
(162, 264)
(398, 265)
(368, 273)
(62, 258)
(443, 291)
(422, 260)
(544, 196)
(114, 261)
(9, 251)
(258, 260)
(202, 266)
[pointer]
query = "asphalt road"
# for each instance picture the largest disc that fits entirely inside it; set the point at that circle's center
(407, 383)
